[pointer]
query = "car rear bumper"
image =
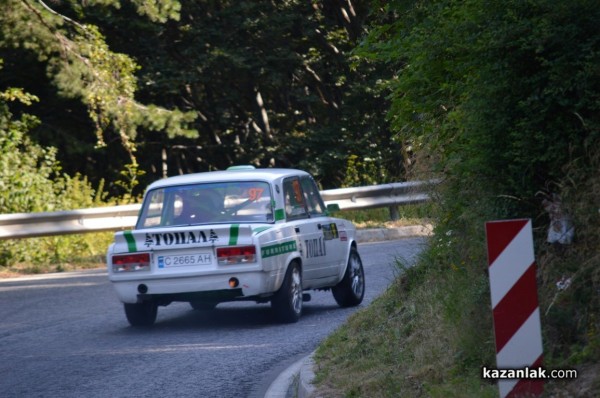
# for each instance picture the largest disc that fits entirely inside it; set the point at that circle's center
(210, 287)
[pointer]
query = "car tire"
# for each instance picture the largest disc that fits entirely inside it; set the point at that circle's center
(287, 302)
(351, 289)
(141, 314)
(203, 305)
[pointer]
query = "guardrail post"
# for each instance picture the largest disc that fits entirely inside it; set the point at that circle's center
(394, 214)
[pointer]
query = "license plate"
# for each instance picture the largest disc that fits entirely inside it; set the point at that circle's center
(184, 260)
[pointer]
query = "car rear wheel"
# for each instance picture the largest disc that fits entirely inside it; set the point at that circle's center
(287, 302)
(351, 289)
(141, 314)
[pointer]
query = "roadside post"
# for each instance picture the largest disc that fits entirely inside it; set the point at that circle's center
(515, 308)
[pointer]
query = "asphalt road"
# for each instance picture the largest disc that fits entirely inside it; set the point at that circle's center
(65, 335)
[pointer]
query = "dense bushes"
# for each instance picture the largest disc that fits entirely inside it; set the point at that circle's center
(31, 181)
(501, 100)
(506, 96)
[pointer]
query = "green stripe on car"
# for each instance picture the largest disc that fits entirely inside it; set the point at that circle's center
(260, 229)
(234, 232)
(279, 214)
(280, 248)
(131, 246)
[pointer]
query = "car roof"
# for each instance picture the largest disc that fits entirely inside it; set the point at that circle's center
(244, 174)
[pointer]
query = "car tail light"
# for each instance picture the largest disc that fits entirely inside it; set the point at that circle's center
(131, 262)
(236, 255)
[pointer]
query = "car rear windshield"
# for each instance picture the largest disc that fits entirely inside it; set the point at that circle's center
(208, 203)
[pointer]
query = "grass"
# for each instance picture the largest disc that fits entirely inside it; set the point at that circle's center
(54, 254)
(429, 335)
(403, 344)
(431, 332)
(417, 214)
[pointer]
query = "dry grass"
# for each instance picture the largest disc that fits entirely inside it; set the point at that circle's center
(399, 346)
(54, 254)
(18, 270)
(405, 222)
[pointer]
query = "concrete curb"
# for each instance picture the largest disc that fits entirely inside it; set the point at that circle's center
(284, 384)
(296, 380)
(306, 377)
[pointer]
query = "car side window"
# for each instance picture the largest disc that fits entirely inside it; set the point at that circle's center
(152, 215)
(295, 204)
(312, 196)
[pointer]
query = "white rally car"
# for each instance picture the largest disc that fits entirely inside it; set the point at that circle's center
(241, 234)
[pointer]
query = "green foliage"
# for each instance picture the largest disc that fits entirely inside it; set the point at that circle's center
(509, 106)
(570, 274)
(252, 82)
(82, 66)
(158, 10)
(360, 172)
(35, 255)
(457, 99)
(501, 99)
(30, 181)
(21, 175)
(380, 217)
(128, 181)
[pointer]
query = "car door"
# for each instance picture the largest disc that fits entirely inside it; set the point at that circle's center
(308, 233)
(333, 248)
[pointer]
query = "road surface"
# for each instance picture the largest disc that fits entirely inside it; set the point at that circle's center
(65, 335)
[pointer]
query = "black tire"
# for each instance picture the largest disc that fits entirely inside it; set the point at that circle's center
(203, 305)
(351, 289)
(287, 302)
(141, 314)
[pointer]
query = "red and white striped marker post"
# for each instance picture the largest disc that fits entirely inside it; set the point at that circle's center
(516, 313)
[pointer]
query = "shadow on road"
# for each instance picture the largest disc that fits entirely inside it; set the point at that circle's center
(226, 316)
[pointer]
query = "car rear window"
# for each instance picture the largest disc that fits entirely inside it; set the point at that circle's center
(223, 202)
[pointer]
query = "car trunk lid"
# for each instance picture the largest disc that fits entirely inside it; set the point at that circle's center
(157, 239)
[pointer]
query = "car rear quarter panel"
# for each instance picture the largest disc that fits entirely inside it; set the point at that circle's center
(347, 233)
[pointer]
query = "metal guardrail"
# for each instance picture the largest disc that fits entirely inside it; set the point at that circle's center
(28, 225)
(114, 218)
(385, 195)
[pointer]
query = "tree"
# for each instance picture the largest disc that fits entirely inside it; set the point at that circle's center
(25, 168)
(501, 100)
(81, 66)
(270, 83)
